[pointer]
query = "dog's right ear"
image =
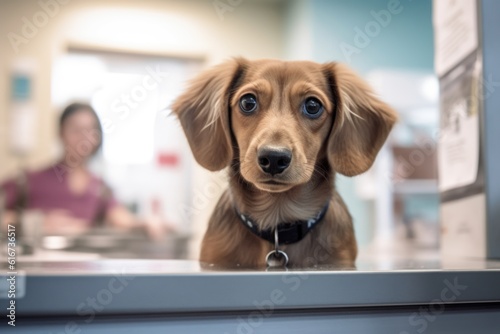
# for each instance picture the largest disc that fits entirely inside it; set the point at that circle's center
(203, 111)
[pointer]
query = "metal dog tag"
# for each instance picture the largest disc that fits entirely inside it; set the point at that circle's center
(276, 259)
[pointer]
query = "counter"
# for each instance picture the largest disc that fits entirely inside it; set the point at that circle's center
(107, 296)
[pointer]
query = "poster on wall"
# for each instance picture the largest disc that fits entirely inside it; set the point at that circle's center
(455, 32)
(22, 112)
(459, 140)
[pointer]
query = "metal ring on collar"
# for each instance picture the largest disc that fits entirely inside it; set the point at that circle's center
(276, 254)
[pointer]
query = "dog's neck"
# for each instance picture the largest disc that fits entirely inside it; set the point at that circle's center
(298, 203)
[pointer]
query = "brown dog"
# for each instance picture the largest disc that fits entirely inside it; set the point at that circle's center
(284, 129)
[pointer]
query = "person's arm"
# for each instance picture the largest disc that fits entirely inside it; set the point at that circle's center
(61, 222)
(121, 217)
(9, 217)
(8, 195)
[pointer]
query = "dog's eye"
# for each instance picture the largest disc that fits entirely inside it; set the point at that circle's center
(312, 108)
(248, 103)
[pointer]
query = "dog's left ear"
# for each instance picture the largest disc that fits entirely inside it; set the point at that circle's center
(362, 122)
(204, 115)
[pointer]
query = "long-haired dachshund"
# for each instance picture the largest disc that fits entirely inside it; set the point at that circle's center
(284, 129)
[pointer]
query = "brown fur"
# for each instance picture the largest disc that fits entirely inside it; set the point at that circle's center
(345, 138)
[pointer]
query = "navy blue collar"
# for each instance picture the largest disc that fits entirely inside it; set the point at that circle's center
(288, 232)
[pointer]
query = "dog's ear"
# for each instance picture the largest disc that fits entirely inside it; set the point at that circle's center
(204, 114)
(361, 125)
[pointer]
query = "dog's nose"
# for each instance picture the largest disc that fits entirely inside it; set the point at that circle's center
(274, 161)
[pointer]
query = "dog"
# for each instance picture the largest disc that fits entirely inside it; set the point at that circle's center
(283, 129)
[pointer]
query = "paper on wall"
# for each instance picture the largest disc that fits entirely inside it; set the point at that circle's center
(455, 31)
(458, 153)
(459, 140)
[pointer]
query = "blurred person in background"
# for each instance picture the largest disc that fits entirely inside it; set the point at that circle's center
(72, 199)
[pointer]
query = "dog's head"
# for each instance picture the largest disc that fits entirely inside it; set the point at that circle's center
(277, 119)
